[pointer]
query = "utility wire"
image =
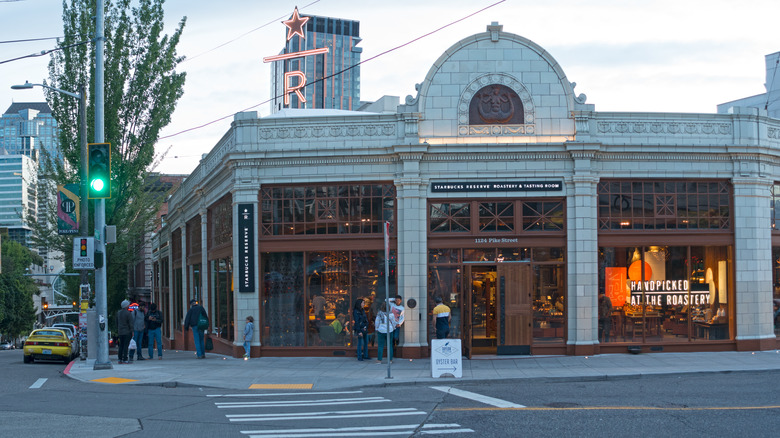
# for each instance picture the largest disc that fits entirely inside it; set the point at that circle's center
(334, 74)
(244, 34)
(46, 52)
(31, 39)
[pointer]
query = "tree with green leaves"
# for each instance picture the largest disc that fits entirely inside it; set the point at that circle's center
(17, 311)
(141, 88)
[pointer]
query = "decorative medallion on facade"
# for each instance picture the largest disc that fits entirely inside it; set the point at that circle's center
(495, 105)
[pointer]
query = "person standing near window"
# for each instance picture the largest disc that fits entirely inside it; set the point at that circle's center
(385, 323)
(249, 331)
(398, 312)
(192, 320)
(441, 316)
(360, 328)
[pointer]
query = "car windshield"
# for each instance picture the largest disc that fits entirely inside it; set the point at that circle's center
(56, 333)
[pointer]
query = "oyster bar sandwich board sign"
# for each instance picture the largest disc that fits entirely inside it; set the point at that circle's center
(446, 357)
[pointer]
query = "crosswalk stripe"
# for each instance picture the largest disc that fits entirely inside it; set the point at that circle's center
(497, 402)
(324, 414)
(293, 402)
(395, 429)
(302, 403)
(38, 383)
(284, 394)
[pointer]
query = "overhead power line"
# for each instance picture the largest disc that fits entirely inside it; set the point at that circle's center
(244, 34)
(337, 73)
(45, 52)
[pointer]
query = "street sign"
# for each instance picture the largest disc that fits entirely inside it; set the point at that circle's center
(446, 357)
(83, 253)
(68, 209)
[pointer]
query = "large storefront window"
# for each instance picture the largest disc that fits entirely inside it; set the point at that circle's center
(326, 210)
(665, 294)
(499, 217)
(308, 296)
(222, 318)
(664, 205)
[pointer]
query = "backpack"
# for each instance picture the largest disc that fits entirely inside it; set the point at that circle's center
(203, 322)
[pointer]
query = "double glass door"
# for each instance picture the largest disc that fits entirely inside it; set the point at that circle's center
(497, 313)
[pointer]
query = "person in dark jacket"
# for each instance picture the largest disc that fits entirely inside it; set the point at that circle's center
(124, 320)
(360, 327)
(191, 320)
(139, 324)
(154, 321)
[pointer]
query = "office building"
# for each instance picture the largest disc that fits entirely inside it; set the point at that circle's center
(28, 128)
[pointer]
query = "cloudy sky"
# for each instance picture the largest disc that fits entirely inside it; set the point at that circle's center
(625, 55)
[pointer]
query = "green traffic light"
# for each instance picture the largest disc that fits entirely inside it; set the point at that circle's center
(98, 185)
(99, 170)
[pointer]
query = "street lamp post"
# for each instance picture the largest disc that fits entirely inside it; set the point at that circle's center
(84, 208)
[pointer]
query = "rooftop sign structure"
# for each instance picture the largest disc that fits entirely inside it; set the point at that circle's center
(295, 26)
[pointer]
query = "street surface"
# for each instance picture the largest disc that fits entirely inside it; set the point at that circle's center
(37, 400)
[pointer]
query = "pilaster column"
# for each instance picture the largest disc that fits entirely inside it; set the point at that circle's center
(184, 271)
(171, 298)
(411, 197)
(245, 207)
(204, 256)
(753, 262)
(582, 251)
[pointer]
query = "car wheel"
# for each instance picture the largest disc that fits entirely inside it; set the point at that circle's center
(28, 359)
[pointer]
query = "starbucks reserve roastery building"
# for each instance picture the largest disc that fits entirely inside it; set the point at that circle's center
(507, 195)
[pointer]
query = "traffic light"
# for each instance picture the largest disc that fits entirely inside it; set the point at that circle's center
(99, 171)
(44, 304)
(83, 248)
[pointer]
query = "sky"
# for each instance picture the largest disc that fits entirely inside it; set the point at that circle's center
(625, 55)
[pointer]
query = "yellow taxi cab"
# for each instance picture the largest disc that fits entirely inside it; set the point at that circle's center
(47, 344)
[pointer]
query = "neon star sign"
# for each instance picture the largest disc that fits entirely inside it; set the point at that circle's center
(295, 26)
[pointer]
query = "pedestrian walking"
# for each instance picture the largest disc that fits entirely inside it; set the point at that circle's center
(441, 316)
(154, 322)
(382, 328)
(124, 322)
(398, 311)
(360, 328)
(139, 324)
(198, 320)
(249, 331)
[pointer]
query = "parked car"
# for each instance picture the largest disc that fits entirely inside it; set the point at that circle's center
(73, 334)
(7, 345)
(48, 344)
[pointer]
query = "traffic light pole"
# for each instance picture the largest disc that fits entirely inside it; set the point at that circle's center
(101, 297)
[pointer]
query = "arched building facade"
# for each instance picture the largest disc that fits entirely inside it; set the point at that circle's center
(507, 195)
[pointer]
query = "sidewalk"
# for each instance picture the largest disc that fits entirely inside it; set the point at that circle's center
(328, 373)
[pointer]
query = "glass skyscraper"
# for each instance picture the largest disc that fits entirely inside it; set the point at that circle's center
(333, 78)
(28, 128)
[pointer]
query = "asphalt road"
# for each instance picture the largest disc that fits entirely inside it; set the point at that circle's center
(37, 400)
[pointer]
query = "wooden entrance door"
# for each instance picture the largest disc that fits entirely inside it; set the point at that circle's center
(467, 307)
(515, 323)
